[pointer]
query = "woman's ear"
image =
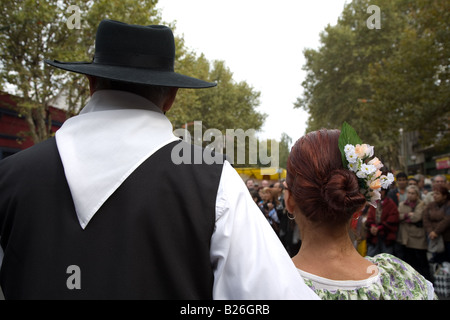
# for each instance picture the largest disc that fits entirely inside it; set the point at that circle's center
(289, 201)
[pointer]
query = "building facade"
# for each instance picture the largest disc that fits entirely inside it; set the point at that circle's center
(14, 130)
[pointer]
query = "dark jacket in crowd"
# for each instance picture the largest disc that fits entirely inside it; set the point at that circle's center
(437, 218)
(388, 225)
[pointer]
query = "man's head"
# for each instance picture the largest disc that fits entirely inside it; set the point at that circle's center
(264, 183)
(402, 180)
(439, 180)
(161, 96)
(278, 187)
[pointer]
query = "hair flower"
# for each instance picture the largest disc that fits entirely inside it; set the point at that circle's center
(356, 157)
(376, 162)
(386, 180)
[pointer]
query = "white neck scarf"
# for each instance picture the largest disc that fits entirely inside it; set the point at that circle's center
(114, 134)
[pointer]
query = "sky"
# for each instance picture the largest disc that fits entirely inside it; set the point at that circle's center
(262, 43)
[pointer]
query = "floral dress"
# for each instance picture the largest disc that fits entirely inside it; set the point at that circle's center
(395, 280)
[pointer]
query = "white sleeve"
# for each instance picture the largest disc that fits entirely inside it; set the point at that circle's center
(430, 290)
(248, 258)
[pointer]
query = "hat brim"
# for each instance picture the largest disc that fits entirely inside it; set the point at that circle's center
(133, 75)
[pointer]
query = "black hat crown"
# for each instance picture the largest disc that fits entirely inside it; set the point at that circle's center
(157, 52)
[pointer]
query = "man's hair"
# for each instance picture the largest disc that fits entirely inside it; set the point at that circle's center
(440, 176)
(401, 175)
(414, 188)
(155, 94)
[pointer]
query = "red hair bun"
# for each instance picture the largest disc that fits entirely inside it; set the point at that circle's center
(322, 188)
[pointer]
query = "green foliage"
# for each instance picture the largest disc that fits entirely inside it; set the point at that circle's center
(348, 136)
(284, 149)
(229, 105)
(413, 84)
(401, 70)
(34, 30)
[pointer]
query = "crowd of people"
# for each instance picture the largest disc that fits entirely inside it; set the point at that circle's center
(270, 200)
(411, 220)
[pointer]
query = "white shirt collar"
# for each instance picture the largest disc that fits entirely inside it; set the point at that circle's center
(114, 134)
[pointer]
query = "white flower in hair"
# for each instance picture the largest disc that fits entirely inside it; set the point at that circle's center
(386, 180)
(351, 157)
(350, 153)
(368, 169)
(353, 166)
(356, 156)
(361, 174)
(349, 148)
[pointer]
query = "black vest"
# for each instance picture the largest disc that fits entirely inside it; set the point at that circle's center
(149, 240)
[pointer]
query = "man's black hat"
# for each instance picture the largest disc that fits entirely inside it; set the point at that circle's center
(136, 54)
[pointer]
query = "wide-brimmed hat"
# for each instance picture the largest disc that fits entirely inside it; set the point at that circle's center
(136, 54)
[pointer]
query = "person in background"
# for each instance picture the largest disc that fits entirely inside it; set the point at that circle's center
(411, 234)
(421, 184)
(282, 214)
(255, 196)
(264, 183)
(438, 180)
(413, 182)
(436, 220)
(250, 183)
(398, 194)
(269, 205)
(382, 225)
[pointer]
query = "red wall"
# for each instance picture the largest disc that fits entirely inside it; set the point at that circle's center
(14, 130)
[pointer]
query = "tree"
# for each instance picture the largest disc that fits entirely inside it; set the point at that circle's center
(413, 83)
(337, 73)
(229, 105)
(285, 142)
(33, 30)
(400, 70)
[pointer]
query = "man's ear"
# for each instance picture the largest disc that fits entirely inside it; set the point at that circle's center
(92, 84)
(167, 104)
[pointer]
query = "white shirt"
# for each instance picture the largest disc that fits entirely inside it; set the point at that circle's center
(248, 259)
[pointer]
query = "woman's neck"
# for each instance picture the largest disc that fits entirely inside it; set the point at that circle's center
(328, 252)
(325, 243)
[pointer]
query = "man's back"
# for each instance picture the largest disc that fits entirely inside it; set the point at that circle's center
(150, 239)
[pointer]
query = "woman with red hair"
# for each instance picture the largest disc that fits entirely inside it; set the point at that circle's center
(322, 195)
